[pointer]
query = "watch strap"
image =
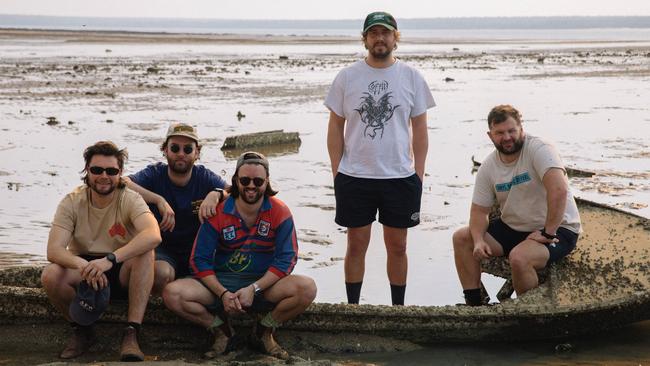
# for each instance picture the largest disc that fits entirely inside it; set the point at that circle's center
(547, 235)
(111, 258)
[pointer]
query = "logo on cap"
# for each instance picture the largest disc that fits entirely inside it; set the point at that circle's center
(89, 304)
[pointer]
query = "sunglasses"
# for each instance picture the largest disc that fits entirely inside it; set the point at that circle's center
(187, 149)
(97, 170)
(257, 181)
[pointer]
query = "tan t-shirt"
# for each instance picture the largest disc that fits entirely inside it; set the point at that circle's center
(518, 187)
(99, 231)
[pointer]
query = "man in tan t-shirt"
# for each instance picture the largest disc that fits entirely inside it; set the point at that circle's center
(539, 221)
(102, 234)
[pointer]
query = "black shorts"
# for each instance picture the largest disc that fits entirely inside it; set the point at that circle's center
(359, 199)
(179, 262)
(510, 238)
(118, 292)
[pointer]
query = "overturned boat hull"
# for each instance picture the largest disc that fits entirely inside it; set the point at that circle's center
(603, 284)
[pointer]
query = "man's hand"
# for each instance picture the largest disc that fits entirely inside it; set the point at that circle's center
(231, 304)
(246, 296)
(99, 283)
(538, 237)
(209, 205)
(168, 216)
(481, 250)
(93, 273)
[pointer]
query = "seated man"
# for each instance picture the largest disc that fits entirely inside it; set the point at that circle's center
(539, 221)
(180, 194)
(242, 260)
(104, 234)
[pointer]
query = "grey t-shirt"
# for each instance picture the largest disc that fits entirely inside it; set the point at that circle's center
(518, 189)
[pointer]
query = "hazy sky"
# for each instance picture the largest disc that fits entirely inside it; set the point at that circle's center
(323, 9)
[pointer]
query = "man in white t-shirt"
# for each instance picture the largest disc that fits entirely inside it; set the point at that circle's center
(377, 142)
(539, 221)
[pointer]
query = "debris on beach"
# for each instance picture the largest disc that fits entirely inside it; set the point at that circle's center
(240, 115)
(284, 57)
(448, 79)
(109, 121)
(52, 121)
(571, 172)
(256, 139)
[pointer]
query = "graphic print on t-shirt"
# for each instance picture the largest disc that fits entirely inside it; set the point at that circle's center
(376, 109)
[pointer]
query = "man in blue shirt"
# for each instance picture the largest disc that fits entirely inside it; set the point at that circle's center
(181, 195)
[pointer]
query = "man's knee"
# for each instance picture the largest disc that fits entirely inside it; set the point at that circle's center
(164, 274)
(52, 276)
(519, 260)
(306, 290)
(462, 239)
(142, 262)
(396, 249)
(173, 294)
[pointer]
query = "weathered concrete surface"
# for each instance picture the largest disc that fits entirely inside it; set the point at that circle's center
(266, 138)
(603, 284)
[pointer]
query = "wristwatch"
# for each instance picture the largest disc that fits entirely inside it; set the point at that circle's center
(111, 258)
(257, 288)
(547, 235)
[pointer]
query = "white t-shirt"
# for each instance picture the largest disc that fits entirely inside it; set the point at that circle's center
(378, 105)
(518, 187)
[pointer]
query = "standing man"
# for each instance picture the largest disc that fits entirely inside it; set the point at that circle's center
(378, 156)
(103, 234)
(181, 195)
(242, 261)
(539, 221)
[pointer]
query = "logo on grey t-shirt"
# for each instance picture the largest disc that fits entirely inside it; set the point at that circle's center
(376, 109)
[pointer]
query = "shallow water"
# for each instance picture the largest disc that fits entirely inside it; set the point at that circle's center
(591, 101)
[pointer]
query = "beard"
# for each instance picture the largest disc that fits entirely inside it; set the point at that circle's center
(103, 191)
(251, 200)
(517, 144)
(380, 55)
(179, 166)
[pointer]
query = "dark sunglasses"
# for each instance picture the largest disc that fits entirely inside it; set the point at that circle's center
(187, 149)
(257, 181)
(97, 170)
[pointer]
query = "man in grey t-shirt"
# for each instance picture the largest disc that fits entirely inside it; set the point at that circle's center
(377, 141)
(539, 221)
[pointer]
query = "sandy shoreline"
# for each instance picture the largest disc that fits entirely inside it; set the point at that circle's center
(97, 36)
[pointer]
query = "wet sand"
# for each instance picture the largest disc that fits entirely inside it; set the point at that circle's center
(588, 97)
(40, 344)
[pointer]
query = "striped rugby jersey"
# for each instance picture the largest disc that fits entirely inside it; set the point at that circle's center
(225, 244)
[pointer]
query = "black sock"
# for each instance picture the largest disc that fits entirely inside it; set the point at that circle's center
(397, 294)
(353, 290)
(137, 326)
(473, 297)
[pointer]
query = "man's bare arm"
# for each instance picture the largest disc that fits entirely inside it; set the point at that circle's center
(335, 140)
(168, 216)
(557, 188)
(420, 143)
